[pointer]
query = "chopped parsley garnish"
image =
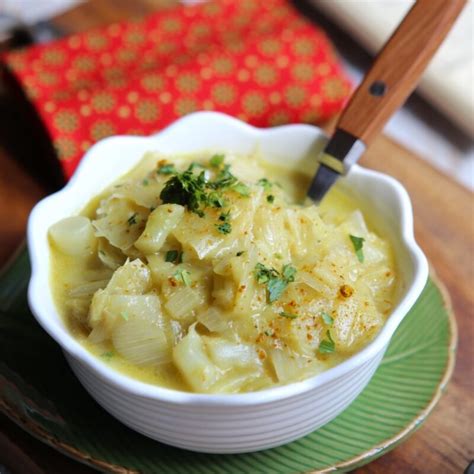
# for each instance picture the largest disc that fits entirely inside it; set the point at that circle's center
(327, 346)
(241, 189)
(183, 276)
(276, 281)
(166, 169)
(124, 315)
(264, 274)
(288, 315)
(186, 189)
(216, 200)
(195, 165)
(358, 243)
(265, 183)
(270, 198)
(145, 182)
(224, 227)
(327, 319)
(132, 219)
(278, 255)
(196, 192)
(107, 355)
(172, 256)
(216, 160)
(238, 254)
(225, 179)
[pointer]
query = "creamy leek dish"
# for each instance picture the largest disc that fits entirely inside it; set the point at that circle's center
(211, 273)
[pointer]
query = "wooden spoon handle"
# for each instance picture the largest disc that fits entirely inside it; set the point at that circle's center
(398, 67)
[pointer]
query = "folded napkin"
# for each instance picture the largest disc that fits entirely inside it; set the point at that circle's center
(259, 61)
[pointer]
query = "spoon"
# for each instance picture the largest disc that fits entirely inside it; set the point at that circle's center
(392, 77)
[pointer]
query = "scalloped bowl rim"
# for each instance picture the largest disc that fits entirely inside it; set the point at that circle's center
(40, 278)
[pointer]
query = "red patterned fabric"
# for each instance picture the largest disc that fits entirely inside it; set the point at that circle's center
(259, 61)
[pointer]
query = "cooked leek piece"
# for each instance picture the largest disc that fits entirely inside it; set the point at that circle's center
(74, 236)
(142, 342)
(159, 224)
(183, 302)
(190, 357)
(229, 355)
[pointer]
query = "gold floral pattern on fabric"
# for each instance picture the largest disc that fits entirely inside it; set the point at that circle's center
(146, 111)
(185, 106)
(266, 75)
(303, 72)
(188, 83)
(223, 66)
(101, 129)
(152, 82)
(66, 121)
(259, 61)
(334, 88)
(223, 94)
(254, 103)
(103, 102)
(280, 117)
(55, 57)
(65, 148)
(295, 96)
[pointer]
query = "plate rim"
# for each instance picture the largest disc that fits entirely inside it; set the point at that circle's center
(372, 453)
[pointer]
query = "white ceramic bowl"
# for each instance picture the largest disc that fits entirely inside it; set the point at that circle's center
(222, 423)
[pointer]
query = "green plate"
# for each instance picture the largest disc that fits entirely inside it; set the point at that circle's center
(39, 392)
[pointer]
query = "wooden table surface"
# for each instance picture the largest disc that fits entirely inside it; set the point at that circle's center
(444, 227)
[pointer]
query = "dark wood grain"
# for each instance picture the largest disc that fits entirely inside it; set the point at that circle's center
(444, 224)
(398, 67)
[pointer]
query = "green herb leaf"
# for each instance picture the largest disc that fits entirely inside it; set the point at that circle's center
(145, 182)
(265, 183)
(264, 274)
(327, 319)
(275, 289)
(195, 165)
(276, 281)
(107, 355)
(242, 189)
(270, 198)
(278, 255)
(166, 169)
(171, 256)
(238, 254)
(225, 179)
(288, 315)
(184, 276)
(288, 272)
(124, 315)
(224, 228)
(216, 160)
(216, 200)
(186, 189)
(132, 219)
(327, 346)
(358, 243)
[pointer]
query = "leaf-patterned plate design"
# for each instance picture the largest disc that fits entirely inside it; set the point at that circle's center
(39, 392)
